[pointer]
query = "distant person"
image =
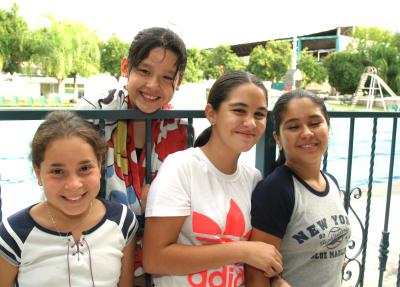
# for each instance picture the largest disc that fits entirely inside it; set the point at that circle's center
(198, 209)
(298, 207)
(72, 238)
(154, 69)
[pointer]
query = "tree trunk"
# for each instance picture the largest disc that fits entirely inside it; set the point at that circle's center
(75, 85)
(60, 86)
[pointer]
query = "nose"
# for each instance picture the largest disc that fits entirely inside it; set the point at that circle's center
(250, 122)
(307, 131)
(153, 82)
(73, 183)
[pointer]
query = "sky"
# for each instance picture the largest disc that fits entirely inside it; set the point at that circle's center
(209, 23)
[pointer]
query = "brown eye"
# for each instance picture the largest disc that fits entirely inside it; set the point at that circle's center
(260, 116)
(143, 72)
(56, 171)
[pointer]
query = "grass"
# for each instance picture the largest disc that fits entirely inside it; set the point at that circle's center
(338, 107)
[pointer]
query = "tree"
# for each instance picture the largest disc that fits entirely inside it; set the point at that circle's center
(85, 51)
(272, 61)
(344, 70)
(194, 68)
(13, 32)
(396, 41)
(220, 60)
(112, 53)
(374, 34)
(65, 49)
(371, 47)
(381, 49)
(387, 60)
(53, 51)
(312, 71)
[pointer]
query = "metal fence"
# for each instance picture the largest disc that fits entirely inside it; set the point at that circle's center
(356, 268)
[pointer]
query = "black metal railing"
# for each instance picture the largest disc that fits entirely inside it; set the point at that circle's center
(354, 269)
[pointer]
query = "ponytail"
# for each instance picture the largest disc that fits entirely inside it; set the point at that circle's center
(203, 138)
(281, 159)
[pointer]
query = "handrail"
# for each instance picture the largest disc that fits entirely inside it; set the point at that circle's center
(38, 114)
(265, 157)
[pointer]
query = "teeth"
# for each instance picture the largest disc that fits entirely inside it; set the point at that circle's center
(74, 198)
(150, 97)
(307, 145)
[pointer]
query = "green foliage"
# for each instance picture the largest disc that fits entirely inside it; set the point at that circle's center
(387, 60)
(219, 61)
(84, 49)
(272, 61)
(311, 70)
(13, 32)
(112, 53)
(53, 50)
(344, 70)
(194, 67)
(395, 42)
(373, 34)
(65, 49)
(371, 47)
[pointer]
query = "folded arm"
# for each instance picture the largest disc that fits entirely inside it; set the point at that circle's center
(163, 255)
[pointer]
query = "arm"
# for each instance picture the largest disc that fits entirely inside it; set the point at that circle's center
(127, 263)
(8, 273)
(145, 191)
(256, 277)
(162, 255)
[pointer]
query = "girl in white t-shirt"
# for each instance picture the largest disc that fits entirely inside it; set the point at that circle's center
(198, 209)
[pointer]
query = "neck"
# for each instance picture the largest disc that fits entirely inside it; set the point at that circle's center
(65, 223)
(224, 160)
(310, 174)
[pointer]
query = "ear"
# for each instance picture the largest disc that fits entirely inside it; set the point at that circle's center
(124, 67)
(37, 173)
(210, 114)
(179, 82)
(277, 140)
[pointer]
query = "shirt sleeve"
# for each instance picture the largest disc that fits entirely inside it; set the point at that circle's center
(272, 203)
(10, 244)
(169, 193)
(130, 224)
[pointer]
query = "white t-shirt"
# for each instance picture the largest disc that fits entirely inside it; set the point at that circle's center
(46, 258)
(217, 207)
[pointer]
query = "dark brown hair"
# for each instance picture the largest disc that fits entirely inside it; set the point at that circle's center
(65, 124)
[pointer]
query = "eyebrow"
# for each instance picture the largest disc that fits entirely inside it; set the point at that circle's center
(151, 67)
(312, 117)
(56, 164)
(242, 105)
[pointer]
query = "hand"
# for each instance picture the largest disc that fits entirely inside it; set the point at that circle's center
(278, 281)
(265, 257)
